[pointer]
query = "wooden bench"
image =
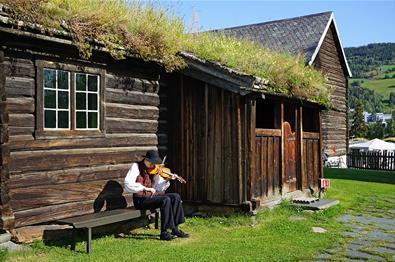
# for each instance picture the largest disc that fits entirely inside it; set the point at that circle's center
(90, 221)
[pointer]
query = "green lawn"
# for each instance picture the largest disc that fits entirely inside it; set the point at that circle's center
(270, 237)
(382, 86)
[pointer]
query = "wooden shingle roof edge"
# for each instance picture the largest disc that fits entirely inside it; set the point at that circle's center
(297, 35)
(313, 57)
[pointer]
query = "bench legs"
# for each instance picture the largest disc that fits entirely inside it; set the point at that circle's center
(73, 238)
(156, 219)
(89, 240)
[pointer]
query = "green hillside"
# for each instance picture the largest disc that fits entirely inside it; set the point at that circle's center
(373, 68)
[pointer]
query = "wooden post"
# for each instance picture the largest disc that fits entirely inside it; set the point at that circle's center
(301, 153)
(321, 166)
(7, 220)
(283, 189)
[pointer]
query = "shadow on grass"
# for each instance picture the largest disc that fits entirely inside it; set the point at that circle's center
(141, 236)
(387, 177)
(63, 237)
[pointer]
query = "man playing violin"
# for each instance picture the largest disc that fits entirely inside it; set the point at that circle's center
(149, 193)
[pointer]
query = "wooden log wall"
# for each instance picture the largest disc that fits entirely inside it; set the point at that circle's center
(334, 122)
(56, 177)
(266, 180)
(209, 152)
(311, 158)
(6, 214)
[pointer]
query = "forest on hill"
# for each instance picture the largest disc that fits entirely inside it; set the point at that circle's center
(373, 82)
(365, 60)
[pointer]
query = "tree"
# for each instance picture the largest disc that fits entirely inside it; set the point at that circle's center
(392, 99)
(376, 130)
(355, 83)
(358, 128)
(390, 130)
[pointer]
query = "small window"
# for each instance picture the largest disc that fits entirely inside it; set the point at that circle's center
(310, 120)
(56, 99)
(267, 114)
(87, 101)
(70, 101)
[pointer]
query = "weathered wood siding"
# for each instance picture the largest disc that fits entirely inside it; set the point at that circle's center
(205, 141)
(266, 180)
(56, 177)
(6, 214)
(311, 158)
(334, 122)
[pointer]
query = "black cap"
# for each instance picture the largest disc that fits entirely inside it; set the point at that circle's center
(153, 157)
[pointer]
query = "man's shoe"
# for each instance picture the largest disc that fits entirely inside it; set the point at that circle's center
(179, 233)
(166, 236)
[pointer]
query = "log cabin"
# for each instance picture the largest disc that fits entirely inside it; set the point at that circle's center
(235, 143)
(316, 37)
(70, 127)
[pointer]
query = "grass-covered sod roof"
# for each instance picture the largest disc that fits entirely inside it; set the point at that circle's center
(152, 33)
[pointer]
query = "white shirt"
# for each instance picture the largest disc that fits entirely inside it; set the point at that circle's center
(132, 186)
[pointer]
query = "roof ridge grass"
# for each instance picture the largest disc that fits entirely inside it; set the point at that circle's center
(154, 33)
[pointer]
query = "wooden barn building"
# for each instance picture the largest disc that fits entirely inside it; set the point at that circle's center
(70, 128)
(317, 38)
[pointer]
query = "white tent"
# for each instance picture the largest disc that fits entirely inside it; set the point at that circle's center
(374, 145)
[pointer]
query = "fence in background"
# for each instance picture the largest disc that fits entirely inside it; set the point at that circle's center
(372, 160)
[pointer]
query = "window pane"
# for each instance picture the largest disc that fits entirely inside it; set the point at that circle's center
(81, 120)
(49, 78)
(81, 101)
(63, 119)
(92, 101)
(81, 82)
(92, 83)
(92, 120)
(63, 80)
(50, 119)
(50, 98)
(63, 100)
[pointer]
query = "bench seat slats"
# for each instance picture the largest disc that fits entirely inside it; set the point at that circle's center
(104, 218)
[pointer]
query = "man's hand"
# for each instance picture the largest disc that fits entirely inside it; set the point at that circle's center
(150, 189)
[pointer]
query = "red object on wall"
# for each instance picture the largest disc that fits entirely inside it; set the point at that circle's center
(325, 183)
(334, 149)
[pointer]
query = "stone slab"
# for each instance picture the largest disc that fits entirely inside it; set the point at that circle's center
(318, 205)
(12, 247)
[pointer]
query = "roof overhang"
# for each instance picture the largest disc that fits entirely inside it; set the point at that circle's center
(314, 56)
(221, 76)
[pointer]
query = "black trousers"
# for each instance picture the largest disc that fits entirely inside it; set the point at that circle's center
(170, 204)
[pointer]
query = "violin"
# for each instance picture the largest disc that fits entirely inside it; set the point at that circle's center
(165, 173)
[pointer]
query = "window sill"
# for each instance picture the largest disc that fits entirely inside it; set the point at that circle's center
(68, 134)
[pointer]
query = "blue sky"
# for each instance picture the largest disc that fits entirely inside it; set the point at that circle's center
(359, 22)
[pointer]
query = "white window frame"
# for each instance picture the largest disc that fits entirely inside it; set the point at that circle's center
(56, 109)
(87, 92)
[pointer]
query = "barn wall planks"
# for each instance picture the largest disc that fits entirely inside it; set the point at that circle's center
(205, 141)
(267, 177)
(57, 176)
(312, 158)
(334, 122)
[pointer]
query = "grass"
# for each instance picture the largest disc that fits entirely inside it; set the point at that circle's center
(271, 237)
(152, 33)
(382, 86)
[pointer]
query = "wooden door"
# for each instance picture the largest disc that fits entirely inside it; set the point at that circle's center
(290, 168)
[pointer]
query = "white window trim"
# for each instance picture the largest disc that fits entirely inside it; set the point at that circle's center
(86, 101)
(56, 109)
